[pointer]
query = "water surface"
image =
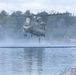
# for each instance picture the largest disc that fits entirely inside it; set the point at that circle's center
(36, 61)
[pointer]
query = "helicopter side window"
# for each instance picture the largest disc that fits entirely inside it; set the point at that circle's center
(39, 20)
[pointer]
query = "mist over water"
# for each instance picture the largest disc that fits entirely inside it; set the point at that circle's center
(21, 40)
(8, 41)
(34, 43)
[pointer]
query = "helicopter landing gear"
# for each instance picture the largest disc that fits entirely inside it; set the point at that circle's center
(25, 34)
(31, 35)
(39, 39)
(44, 28)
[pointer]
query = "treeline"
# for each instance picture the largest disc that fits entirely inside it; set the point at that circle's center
(57, 26)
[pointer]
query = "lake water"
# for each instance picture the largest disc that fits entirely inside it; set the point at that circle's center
(36, 61)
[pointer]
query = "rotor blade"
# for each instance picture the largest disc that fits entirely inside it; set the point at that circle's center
(49, 14)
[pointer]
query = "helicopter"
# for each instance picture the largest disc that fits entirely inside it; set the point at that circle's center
(35, 27)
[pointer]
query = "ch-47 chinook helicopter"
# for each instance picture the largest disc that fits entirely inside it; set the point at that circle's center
(35, 27)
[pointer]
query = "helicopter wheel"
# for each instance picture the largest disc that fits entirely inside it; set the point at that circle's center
(44, 35)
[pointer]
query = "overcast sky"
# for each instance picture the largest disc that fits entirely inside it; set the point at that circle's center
(38, 5)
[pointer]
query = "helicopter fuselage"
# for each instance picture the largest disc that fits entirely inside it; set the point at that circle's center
(34, 31)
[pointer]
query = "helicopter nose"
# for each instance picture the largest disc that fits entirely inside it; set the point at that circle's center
(26, 27)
